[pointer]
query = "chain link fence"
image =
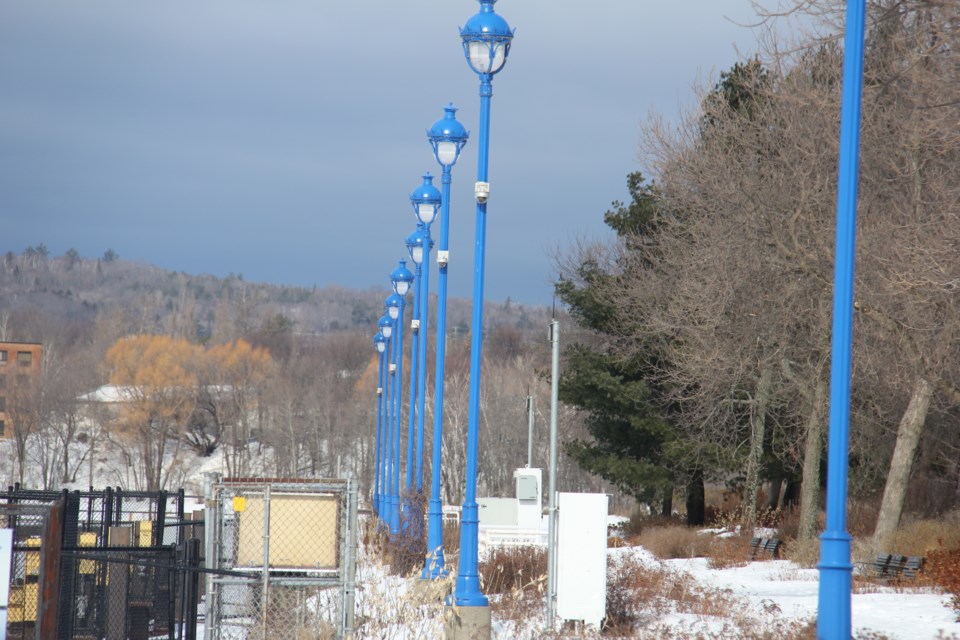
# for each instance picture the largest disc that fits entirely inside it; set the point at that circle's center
(281, 559)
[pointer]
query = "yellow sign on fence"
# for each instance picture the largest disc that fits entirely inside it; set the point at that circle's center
(302, 534)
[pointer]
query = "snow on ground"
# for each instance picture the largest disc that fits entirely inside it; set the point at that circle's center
(781, 587)
(773, 594)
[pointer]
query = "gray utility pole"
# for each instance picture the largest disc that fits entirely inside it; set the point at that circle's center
(530, 406)
(552, 530)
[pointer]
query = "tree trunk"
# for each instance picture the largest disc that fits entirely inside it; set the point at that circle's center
(666, 508)
(812, 450)
(758, 427)
(773, 500)
(908, 438)
(696, 501)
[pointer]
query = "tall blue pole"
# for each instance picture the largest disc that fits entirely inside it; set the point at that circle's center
(422, 357)
(833, 621)
(385, 426)
(379, 434)
(434, 566)
(467, 593)
(447, 137)
(384, 401)
(386, 500)
(412, 408)
(486, 42)
(398, 387)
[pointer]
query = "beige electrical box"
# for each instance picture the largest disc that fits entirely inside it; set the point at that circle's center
(302, 535)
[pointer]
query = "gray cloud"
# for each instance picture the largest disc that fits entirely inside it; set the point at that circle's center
(281, 139)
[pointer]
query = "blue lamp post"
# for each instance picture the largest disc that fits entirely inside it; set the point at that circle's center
(447, 138)
(395, 305)
(414, 362)
(386, 324)
(401, 278)
(486, 44)
(833, 621)
(426, 203)
(379, 343)
(418, 244)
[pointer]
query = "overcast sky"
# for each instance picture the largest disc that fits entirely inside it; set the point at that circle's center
(280, 139)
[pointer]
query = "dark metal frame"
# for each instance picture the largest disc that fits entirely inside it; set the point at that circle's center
(113, 588)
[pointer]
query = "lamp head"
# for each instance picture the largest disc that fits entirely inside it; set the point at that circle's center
(486, 40)
(379, 342)
(385, 323)
(393, 304)
(418, 243)
(447, 137)
(426, 200)
(401, 278)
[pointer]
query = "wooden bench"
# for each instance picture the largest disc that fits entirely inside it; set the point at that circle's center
(765, 546)
(913, 566)
(892, 566)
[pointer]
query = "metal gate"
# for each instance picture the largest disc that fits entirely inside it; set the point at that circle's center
(281, 558)
(101, 564)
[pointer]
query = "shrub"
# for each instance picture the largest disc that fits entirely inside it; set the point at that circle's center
(943, 568)
(726, 553)
(920, 537)
(674, 542)
(640, 521)
(512, 569)
(805, 553)
(519, 576)
(407, 551)
(451, 538)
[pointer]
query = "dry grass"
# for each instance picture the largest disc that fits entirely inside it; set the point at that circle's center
(639, 522)
(451, 538)
(920, 537)
(515, 578)
(674, 541)
(640, 595)
(726, 553)
(805, 553)
(513, 569)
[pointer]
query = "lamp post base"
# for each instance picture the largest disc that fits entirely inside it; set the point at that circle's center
(466, 623)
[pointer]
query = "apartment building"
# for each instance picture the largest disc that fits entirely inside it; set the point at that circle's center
(19, 382)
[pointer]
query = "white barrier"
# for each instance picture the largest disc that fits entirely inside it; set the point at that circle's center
(491, 537)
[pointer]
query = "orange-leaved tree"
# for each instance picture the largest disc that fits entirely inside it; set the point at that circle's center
(157, 376)
(230, 406)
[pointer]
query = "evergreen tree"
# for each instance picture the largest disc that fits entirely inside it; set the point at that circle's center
(634, 443)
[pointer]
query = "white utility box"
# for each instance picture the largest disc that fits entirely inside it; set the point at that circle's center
(497, 512)
(529, 506)
(582, 557)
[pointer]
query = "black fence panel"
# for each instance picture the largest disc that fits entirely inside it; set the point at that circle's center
(123, 565)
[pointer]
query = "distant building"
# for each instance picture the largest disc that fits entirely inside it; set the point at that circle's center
(19, 381)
